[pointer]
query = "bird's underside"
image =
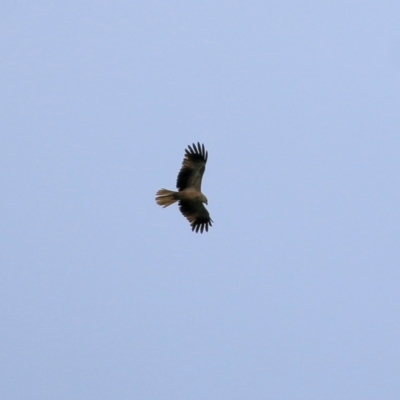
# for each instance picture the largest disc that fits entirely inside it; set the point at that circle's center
(189, 196)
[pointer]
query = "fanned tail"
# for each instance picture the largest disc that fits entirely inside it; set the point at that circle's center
(166, 197)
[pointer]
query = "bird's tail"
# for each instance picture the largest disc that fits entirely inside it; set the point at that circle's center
(166, 197)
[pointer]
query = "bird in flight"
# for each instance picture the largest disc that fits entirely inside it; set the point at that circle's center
(189, 193)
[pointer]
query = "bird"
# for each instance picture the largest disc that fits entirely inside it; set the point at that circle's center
(189, 196)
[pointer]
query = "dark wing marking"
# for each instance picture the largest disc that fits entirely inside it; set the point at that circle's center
(196, 214)
(193, 167)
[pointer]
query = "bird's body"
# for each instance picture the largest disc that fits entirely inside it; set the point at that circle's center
(189, 193)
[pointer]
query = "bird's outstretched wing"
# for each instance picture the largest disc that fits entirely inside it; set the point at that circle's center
(193, 167)
(196, 214)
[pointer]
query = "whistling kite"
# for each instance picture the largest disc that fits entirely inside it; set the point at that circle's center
(189, 189)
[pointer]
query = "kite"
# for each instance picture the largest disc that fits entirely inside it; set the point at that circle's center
(189, 193)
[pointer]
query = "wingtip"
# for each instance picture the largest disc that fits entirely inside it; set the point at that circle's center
(197, 150)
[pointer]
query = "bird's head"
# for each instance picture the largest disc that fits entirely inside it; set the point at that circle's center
(204, 199)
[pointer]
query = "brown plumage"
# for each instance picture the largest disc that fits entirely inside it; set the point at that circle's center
(189, 193)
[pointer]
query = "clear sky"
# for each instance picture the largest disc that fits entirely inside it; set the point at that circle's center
(293, 293)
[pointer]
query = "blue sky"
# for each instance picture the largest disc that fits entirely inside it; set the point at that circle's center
(294, 291)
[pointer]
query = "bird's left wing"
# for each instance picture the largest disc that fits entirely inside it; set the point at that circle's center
(196, 214)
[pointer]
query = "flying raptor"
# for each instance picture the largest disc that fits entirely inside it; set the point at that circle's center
(189, 193)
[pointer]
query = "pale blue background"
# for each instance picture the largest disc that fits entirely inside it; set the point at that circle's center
(294, 293)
